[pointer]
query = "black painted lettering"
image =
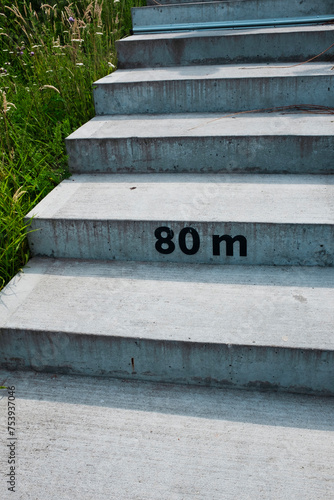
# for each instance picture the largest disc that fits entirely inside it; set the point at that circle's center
(216, 241)
(169, 245)
(195, 240)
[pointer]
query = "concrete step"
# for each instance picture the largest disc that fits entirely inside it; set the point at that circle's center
(225, 326)
(261, 45)
(253, 143)
(190, 218)
(244, 24)
(295, 4)
(102, 439)
(213, 12)
(216, 88)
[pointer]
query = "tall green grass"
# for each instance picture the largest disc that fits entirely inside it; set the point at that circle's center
(50, 54)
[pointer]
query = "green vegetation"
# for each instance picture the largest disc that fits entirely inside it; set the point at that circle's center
(50, 54)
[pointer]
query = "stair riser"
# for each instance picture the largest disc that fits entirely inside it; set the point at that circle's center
(263, 154)
(260, 244)
(219, 48)
(227, 11)
(212, 95)
(219, 365)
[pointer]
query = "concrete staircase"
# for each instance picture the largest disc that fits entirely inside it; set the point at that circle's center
(192, 246)
(194, 242)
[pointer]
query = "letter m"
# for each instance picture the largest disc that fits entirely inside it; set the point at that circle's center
(216, 241)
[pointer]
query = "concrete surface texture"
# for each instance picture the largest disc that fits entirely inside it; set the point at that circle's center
(92, 438)
(158, 197)
(227, 11)
(258, 45)
(125, 217)
(213, 88)
(189, 248)
(297, 143)
(132, 320)
(205, 210)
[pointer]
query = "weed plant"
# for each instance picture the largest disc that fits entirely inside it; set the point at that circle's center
(50, 54)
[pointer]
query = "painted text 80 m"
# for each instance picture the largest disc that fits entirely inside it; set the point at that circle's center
(189, 242)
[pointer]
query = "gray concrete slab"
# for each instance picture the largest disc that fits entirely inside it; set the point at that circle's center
(226, 11)
(99, 439)
(290, 44)
(279, 220)
(271, 199)
(215, 88)
(122, 295)
(255, 143)
(253, 327)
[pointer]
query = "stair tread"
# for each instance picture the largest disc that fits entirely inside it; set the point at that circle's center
(211, 34)
(214, 88)
(209, 72)
(239, 305)
(247, 22)
(167, 441)
(192, 197)
(272, 142)
(226, 46)
(206, 124)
